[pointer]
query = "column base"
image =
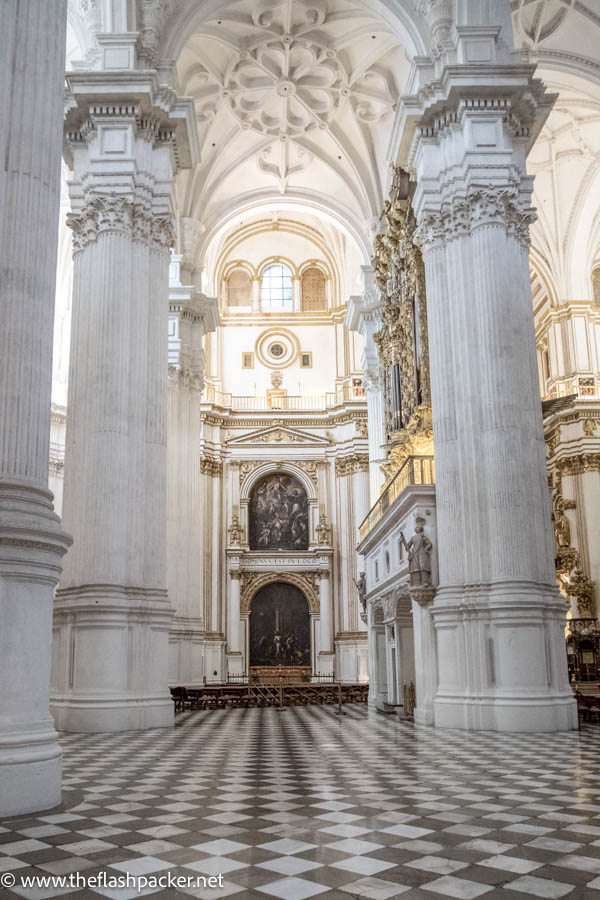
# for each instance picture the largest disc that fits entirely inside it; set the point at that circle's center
(90, 714)
(516, 714)
(502, 659)
(30, 771)
(235, 664)
(326, 663)
(423, 716)
(110, 666)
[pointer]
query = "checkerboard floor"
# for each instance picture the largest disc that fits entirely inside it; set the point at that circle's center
(304, 803)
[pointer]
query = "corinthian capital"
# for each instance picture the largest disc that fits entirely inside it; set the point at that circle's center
(460, 215)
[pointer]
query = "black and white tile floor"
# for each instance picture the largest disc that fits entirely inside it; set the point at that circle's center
(305, 803)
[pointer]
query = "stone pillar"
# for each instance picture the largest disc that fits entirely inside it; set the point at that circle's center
(498, 614)
(234, 650)
(297, 294)
(31, 540)
(256, 295)
(374, 393)
(326, 655)
(425, 659)
(364, 316)
(112, 603)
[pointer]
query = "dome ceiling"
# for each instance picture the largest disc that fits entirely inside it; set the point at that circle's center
(294, 98)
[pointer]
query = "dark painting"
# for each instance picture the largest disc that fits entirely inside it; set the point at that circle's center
(278, 514)
(279, 627)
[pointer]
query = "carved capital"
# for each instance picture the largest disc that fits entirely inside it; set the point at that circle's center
(422, 595)
(460, 216)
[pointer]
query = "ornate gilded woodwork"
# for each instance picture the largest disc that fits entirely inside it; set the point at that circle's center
(402, 341)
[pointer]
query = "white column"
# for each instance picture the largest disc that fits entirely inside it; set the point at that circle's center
(375, 417)
(31, 540)
(112, 598)
(364, 316)
(256, 295)
(326, 655)
(498, 614)
(234, 649)
(425, 662)
(297, 294)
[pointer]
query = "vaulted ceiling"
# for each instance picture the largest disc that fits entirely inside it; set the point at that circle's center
(295, 102)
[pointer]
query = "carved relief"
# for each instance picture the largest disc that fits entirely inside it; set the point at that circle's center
(460, 216)
(324, 531)
(120, 213)
(348, 465)
(581, 589)
(402, 341)
(210, 466)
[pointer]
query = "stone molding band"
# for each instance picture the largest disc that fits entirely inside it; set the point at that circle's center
(460, 216)
(120, 214)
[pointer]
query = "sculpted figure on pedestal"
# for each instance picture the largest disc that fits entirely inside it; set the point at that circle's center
(419, 555)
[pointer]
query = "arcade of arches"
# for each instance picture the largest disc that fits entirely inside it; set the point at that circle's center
(312, 382)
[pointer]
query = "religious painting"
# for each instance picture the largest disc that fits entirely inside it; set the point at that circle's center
(279, 514)
(279, 627)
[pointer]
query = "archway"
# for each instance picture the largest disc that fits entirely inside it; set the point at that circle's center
(280, 631)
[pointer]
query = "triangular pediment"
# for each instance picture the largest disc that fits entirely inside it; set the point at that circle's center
(280, 435)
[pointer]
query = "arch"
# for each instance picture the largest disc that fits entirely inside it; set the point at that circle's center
(406, 24)
(310, 485)
(596, 284)
(239, 287)
(314, 288)
(279, 632)
(252, 583)
(276, 260)
(278, 514)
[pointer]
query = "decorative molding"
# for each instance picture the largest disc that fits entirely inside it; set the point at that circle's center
(577, 465)
(119, 213)
(459, 216)
(210, 466)
(349, 465)
(185, 378)
(252, 582)
(282, 562)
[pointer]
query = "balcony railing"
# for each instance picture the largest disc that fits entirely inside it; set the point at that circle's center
(280, 401)
(416, 470)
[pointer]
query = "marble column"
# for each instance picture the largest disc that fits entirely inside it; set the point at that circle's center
(425, 661)
(112, 613)
(498, 615)
(31, 540)
(326, 655)
(234, 649)
(364, 316)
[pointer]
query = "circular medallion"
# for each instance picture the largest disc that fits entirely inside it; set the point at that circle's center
(277, 348)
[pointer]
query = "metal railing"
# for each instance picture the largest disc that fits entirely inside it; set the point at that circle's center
(283, 402)
(416, 470)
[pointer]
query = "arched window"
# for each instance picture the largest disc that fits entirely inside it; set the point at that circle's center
(276, 290)
(314, 296)
(239, 288)
(596, 285)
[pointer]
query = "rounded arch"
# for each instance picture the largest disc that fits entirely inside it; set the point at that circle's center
(278, 468)
(276, 260)
(253, 583)
(234, 264)
(405, 23)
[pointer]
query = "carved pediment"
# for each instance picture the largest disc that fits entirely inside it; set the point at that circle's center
(280, 435)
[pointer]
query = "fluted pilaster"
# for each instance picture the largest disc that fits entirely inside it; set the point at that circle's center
(31, 540)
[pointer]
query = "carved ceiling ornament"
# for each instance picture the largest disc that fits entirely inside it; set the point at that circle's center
(252, 582)
(293, 81)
